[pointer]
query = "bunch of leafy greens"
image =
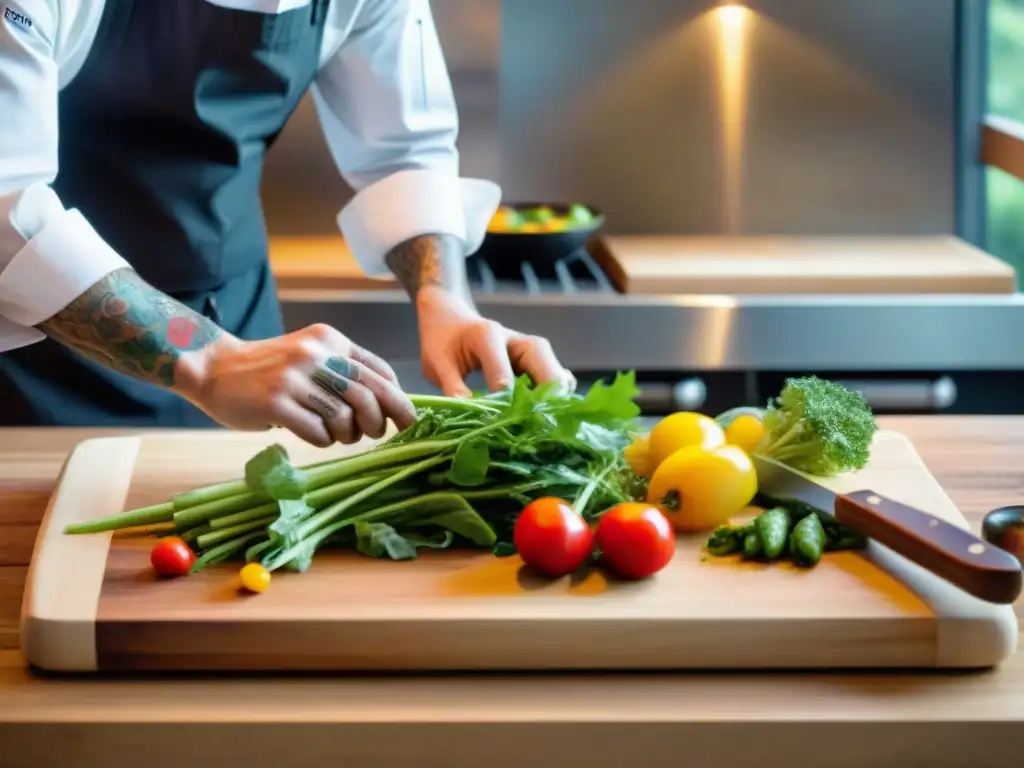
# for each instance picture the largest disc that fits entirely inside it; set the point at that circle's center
(819, 427)
(459, 475)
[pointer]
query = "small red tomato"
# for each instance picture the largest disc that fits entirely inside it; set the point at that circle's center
(636, 540)
(552, 538)
(172, 557)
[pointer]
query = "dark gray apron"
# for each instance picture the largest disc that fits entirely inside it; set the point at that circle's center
(162, 138)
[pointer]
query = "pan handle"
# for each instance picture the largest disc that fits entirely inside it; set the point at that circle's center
(948, 551)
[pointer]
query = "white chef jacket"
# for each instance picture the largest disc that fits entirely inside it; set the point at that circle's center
(383, 97)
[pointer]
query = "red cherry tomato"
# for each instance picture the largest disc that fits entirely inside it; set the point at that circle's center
(172, 557)
(636, 540)
(552, 538)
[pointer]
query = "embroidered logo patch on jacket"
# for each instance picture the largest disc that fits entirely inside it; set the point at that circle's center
(17, 19)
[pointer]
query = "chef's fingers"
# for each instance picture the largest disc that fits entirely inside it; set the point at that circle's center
(395, 404)
(339, 376)
(334, 342)
(376, 364)
(449, 378)
(534, 355)
(289, 414)
(490, 346)
(336, 413)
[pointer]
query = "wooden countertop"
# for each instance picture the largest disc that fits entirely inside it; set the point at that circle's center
(659, 265)
(319, 263)
(974, 719)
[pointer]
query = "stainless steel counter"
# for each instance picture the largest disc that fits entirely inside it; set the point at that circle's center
(601, 332)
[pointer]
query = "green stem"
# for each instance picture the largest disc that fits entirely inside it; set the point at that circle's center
(157, 513)
(224, 551)
(767, 447)
(317, 538)
(330, 513)
(194, 533)
(204, 513)
(453, 404)
(229, 521)
(208, 540)
(210, 493)
(253, 552)
(588, 490)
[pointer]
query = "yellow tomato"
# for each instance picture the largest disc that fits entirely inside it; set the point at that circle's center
(745, 431)
(637, 455)
(255, 578)
(681, 430)
(700, 489)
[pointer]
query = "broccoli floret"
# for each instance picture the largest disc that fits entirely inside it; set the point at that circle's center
(818, 427)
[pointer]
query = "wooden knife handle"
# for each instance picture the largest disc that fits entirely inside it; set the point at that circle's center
(948, 551)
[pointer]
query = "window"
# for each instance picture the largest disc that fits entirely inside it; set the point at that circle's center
(1005, 235)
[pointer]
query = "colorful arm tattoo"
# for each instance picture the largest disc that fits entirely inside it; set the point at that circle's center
(125, 324)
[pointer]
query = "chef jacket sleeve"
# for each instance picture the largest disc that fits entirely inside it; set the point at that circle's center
(48, 255)
(385, 102)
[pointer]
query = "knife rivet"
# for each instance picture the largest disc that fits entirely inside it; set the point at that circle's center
(976, 549)
(874, 500)
(933, 523)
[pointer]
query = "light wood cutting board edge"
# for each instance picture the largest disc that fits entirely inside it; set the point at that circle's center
(65, 575)
(61, 598)
(969, 632)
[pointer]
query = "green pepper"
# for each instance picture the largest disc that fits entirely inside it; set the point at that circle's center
(724, 541)
(751, 546)
(807, 542)
(772, 528)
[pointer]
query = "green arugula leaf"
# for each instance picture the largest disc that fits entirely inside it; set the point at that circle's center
(270, 471)
(470, 465)
(380, 539)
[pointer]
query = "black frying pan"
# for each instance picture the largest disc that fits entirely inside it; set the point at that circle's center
(503, 251)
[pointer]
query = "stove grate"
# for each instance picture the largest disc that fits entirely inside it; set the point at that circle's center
(576, 273)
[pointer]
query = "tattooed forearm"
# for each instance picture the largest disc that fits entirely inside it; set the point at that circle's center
(437, 260)
(126, 324)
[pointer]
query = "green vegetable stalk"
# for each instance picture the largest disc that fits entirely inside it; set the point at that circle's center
(459, 474)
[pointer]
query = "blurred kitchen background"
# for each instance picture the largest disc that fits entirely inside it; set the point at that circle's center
(801, 118)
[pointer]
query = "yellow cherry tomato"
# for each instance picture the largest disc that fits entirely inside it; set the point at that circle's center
(681, 430)
(699, 489)
(255, 578)
(637, 455)
(745, 431)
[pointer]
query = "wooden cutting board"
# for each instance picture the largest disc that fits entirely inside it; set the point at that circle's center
(92, 603)
(802, 265)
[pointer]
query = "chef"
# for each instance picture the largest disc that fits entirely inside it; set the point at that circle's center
(134, 282)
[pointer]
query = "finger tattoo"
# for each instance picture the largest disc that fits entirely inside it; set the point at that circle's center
(322, 406)
(343, 367)
(330, 382)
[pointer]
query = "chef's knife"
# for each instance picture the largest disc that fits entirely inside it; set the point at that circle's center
(948, 551)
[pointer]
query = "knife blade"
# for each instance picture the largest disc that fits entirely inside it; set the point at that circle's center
(945, 549)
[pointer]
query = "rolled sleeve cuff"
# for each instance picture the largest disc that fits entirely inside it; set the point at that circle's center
(56, 266)
(410, 203)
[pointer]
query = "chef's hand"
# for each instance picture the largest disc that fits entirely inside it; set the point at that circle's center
(314, 382)
(456, 340)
